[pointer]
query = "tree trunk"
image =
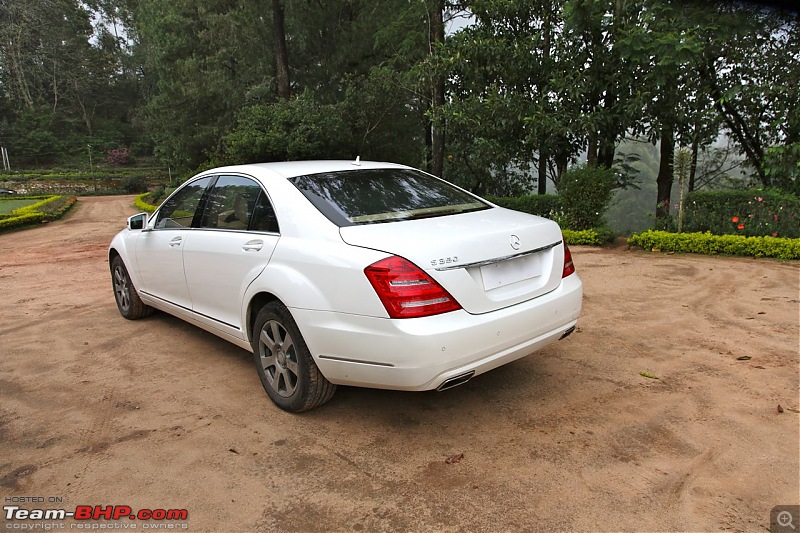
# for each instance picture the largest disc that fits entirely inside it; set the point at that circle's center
(542, 179)
(693, 164)
(428, 144)
(561, 160)
(281, 54)
(436, 38)
(605, 155)
(547, 35)
(591, 149)
(665, 173)
(19, 74)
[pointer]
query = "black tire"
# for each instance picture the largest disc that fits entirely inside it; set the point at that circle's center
(285, 366)
(128, 302)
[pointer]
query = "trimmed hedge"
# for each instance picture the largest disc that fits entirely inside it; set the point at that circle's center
(140, 203)
(754, 212)
(21, 220)
(591, 237)
(49, 208)
(706, 243)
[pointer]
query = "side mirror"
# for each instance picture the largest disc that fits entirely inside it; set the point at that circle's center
(137, 221)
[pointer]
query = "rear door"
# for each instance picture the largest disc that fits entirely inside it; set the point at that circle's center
(235, 239)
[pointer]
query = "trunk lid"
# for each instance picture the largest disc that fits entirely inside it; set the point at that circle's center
(487, 259)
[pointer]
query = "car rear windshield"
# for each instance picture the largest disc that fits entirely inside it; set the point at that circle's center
(373, 196)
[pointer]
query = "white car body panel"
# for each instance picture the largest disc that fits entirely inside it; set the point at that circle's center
(162, 272)
(219, 266)
(443, 246)
(316, 269)
(420, 354)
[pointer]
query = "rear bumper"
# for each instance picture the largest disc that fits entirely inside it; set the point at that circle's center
(422, 353)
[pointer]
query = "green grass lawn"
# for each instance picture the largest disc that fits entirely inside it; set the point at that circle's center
(6, 206)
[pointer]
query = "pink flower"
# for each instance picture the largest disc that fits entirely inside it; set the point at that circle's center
(774, 233)
(740, 226)
(760, 199)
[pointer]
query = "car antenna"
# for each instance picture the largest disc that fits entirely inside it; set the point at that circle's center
(357, 162)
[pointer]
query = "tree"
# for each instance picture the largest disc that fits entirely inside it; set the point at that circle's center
(206, 59)
(62, 74)
(756, 100)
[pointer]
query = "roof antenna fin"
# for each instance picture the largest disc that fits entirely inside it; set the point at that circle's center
(357, 162)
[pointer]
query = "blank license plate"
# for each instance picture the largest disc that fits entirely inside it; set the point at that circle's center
(511, 271)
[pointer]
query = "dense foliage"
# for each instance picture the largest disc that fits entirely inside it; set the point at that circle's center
(501, 97)
(543, 205)
(585, 193)
(750, 212)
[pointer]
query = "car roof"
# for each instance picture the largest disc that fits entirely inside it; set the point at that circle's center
(291, 169)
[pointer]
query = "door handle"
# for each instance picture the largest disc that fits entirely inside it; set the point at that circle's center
(176, 241)
(253, 246)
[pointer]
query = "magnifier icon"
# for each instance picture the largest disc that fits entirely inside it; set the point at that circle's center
(785, 519)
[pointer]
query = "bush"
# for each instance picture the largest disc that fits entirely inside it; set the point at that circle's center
(134, 184)
(157, 195)
(297, 128)
(118, 156)
(549, 206)
(591, 237)
(140, 203)
(706, 243)
(755, 212)
(542, 205)
(586, 193)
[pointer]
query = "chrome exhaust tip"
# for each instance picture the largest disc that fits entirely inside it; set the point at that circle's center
(456, 381)
(567, 333)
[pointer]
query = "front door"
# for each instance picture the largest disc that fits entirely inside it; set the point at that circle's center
(159, 252)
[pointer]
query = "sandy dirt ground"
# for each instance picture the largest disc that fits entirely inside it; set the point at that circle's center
(99, 410)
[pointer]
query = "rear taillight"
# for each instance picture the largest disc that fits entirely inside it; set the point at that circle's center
(406, 291)
(569, 268)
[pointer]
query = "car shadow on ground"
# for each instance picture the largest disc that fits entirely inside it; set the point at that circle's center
(500, 387)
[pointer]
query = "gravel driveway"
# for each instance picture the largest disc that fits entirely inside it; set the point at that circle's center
(98, 410)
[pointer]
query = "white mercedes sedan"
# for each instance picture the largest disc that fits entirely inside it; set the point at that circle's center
(349, 273)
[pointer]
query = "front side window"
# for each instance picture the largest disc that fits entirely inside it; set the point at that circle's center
(180, 209)
(383, 195)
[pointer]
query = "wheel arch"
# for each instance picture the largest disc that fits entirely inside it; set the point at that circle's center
(257, 302)
(112, 253)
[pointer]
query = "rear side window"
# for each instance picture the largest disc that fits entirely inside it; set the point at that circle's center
(230, 203)
(373, 196)
(239, 203)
